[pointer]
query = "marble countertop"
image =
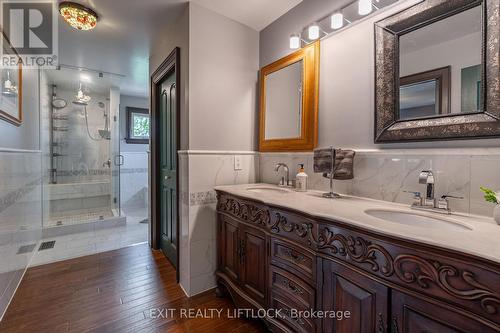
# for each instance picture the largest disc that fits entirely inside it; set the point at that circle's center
(482, 241)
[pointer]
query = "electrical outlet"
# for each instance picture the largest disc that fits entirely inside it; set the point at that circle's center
(238, 163)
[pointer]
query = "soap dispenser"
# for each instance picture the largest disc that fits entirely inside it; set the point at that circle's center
(301, 180)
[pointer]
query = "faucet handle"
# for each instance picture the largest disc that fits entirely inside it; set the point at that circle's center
(417, 198)
(443, 201)
(446, 196)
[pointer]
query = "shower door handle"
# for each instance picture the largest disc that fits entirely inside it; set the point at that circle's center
(121, 160)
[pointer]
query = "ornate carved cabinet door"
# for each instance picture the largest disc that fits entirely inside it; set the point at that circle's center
(412, 315)
(229, 247)
(253, 263)
(365, 299)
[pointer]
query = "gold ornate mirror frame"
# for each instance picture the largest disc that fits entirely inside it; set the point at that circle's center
(310, 92)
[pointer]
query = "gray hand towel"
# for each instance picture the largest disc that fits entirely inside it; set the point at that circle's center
(344, 161)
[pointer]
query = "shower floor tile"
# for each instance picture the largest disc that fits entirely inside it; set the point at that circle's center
(95, 241)
(78, 217)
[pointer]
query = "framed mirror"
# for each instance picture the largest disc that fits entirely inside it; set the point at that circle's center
(11, 97)
(289, 102)
(437, 72)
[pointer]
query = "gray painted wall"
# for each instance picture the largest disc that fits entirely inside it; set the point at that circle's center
(136, 102)
(25, 136)
(223, 67)
(346, 100)
(165, 40)
(274, 39)
(219, 79)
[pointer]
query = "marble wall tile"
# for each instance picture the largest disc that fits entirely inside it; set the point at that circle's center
(485, 171)
(134, 186)
(184, 248)
(20, 217)
(205, 170)
(210, 170)
(386, 175)
(268, 161)
(202, 222)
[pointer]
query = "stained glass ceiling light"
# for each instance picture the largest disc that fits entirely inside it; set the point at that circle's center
(78, 16)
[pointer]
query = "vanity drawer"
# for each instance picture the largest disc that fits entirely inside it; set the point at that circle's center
(293, 227)
(296, 324)
(294, 259)
(292, 286)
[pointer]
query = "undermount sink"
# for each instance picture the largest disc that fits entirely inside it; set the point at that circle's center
(417, 220)
(268, 189)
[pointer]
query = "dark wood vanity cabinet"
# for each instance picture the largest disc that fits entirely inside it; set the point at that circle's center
(242, 256)
(412, 315)
(274, 258)
(365, 299)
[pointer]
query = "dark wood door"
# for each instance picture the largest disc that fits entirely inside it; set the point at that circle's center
(229, 247)
(413, 315)
(253, 263)
(168, 164)
(365, 299)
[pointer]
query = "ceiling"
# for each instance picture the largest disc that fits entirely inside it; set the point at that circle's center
(257, 14)
(121, 41)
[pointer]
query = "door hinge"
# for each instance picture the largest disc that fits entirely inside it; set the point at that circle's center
(114, 118)
(114, 200)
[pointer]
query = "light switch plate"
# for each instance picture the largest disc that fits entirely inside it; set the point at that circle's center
(238, 163)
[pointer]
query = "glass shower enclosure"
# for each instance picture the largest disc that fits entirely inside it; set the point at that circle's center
(81, 146)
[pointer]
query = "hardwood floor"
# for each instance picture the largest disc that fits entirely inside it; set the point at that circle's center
(113, 292)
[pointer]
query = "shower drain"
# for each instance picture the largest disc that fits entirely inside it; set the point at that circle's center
(47, 245)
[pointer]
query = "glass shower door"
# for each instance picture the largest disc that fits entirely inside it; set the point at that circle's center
(116, 157)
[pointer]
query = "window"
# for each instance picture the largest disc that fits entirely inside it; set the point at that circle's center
(137, 126)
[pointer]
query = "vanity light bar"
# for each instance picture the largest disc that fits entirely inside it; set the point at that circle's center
(295, 41)
(313, 31)
(337, 21)
(364, 7)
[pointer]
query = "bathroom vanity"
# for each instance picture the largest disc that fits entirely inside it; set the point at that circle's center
(392, 268)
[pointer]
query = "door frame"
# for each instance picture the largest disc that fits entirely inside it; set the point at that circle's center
(171, 63)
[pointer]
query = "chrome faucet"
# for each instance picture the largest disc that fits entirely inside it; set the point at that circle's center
(429, 202)
(427, 177)
(285, 180)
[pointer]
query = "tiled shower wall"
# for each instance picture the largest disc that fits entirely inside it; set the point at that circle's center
(386, 174)
(20, 216)
(134, 185)
(83, 158)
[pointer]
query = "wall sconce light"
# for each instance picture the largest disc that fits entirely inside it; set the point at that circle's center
(364, 7)
(295, 41)
(313, 31)
(9, 88)
(337, 21)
